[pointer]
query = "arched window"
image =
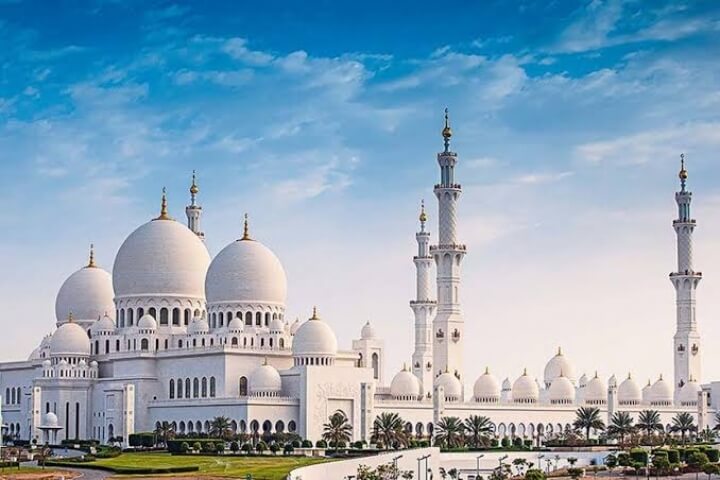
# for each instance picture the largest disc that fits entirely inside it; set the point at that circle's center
(157, 344)
(282, 343)
(212, 387)
(267, 319)
(163, 316)
(234, 342)
(97, 347)
(186, 317)
(279, 426)
(258, 319)
(243, 386)
(376, 365)
(221, 317)
(172, 388)
(176, 316)
(152, 312)
(204, 387)
(180, 343)
(117, 345)
(248, 318)
(166, 344)
(187, 388)
(262, 342)
(141, 312)
(122, 318)
(130, 313)
(144, 344)
(107, 346)
(292, 426)
(196, 388)
(179, 388)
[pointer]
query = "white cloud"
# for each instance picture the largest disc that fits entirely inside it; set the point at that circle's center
(237, 48)
(234, 78)
(540, 178)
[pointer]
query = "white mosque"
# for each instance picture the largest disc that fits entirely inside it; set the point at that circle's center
(175, 335)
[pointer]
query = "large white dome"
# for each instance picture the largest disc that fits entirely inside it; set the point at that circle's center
(405, 385)
(161, 257)
(561, 391)
(558, 365)
(525, 389)
(688, 394)
(246, 271)
(87, 294)
(452, 386)
(629, 392)
(661, 393)
(314, 338)
(595, 391)
(265, 380)
(70, 339)
(486, 388)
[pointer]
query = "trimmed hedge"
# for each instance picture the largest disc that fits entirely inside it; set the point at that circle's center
(125, 470)
(206, 445)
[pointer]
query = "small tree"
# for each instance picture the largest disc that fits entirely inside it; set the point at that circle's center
(711, 469)
(197, 446)
(337, 429)
(184, 447)
(261, 446)
(534, 474)
(234, 447)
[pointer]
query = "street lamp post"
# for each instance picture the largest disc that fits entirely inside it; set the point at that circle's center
(477, 466)
(419, 460)
(395, 467)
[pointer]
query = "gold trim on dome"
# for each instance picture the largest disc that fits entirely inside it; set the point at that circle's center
(163, 207)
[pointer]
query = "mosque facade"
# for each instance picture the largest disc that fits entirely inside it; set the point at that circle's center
(173, 335)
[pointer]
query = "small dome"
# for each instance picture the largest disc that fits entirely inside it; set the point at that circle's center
(486, 388)
(161, 257)
(63, 362)
(82, 363)
(50, 420)
(147, 322)
(93, 364)
(661, 393)
(198, 326)
(405, 385)
(46, 364)
(367, 332)
(595, 392)
(235, 325)
(35, 354)
(70, 339)
(582, 383)
(688, 394)
(561, 390)
(265, 380)
(103, 325)
(452, 386)
(559, 364)
(87, 294)
(246, 271)
(277, 325)
(629, 392)
(525, 390)
(314, 338)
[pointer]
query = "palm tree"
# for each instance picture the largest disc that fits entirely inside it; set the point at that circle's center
(588, 418)
(621, 424)
(338, 429)
(165, 431)
(683, 422)
(220, 428)
(388, 428)
(649, 422)
(450, 431)
(477, 427)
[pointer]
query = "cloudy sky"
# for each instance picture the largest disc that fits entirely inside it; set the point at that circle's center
(322, 121)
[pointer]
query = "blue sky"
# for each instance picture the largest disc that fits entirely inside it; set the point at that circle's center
(322, 119)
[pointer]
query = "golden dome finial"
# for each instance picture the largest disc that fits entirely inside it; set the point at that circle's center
(314, 315)
(683, 174)
(524, 371)
(447, 131)
(163, 207)
(91, 262)
(423, 215)
(194, 189)
(487, 370)
(246, 229)
(559, 354)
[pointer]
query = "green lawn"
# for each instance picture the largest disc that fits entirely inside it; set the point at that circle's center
(261, 468)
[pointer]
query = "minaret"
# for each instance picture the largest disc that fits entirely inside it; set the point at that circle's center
(448, 254)
(193, 211)
(424, 309)
(685, 280)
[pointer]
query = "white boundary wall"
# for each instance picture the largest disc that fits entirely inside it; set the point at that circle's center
(341, 469)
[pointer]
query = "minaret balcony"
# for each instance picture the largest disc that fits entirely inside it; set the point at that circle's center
(686, 273)
(680, 222)
(445, 247)
(449, 186)
(427, 257)
(422, 302)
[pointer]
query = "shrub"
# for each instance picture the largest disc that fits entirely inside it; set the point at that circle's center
(197, 446)
(296, 444)
(528, 443)
(711, 469)
(321, 444)
(673, 455)
(208, 447)
(234, 447)
(246, 447)
(379, 445)
(575, 472)
(274, 447)
(494, 442)
(505, 442)
(306, 444)
(623, 459)
(184, 447)
(713, 454)
(534, 474)
(220, 447)
(517, 442)
(288, 448)
(261, 446)
(697, 460)
(639, 455)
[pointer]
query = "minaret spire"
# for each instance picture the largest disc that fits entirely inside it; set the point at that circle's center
(448, 324)
(163, 207)
(194, 211)
(424, 308)
(685, 280)
(91, 262)
(246, 229)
